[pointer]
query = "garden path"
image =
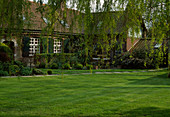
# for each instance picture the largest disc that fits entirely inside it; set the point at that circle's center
(84, 73)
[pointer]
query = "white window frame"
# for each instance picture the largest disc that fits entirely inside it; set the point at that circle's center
(34, 46)
(57, 46)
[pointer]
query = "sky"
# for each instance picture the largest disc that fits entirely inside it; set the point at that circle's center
(93, 5)
(68, 3)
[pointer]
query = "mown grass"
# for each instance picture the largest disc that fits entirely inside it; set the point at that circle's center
(107, 95)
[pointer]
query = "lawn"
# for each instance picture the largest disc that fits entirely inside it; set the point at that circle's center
(107, 95)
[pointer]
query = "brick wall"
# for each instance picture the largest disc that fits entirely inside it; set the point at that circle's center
(129, 43)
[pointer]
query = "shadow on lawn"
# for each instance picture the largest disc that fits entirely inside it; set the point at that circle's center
(147, 111)
(139, 112)
(154, 80)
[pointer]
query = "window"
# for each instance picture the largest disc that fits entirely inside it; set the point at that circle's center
(57, 46)
(34, 46)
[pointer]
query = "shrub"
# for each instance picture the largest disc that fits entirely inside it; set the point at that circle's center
(66, 66)
(5, 53)
(133, 63)
(42, 65)
(37, 72)
(25, 71)
(19, 63)
(1, 65)
(49, 72)
(59, 58)
(78, 66)
(139, 59)
(5, 66)
(54, 66)
(14, 70)
(3, 73)
(89, 66)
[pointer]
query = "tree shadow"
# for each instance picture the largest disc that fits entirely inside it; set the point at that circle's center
(154, 80)
(148, 112)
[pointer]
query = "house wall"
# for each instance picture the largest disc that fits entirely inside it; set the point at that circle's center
(17, 49)
(129, 43)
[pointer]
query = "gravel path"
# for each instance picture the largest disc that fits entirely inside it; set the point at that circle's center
(84, 73)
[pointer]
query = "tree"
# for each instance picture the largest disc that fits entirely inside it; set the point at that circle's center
(12, 16)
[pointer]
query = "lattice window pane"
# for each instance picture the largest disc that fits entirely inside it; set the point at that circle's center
(57, 46)
(34, 46)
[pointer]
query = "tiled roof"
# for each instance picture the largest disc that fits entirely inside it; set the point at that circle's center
(38, 23)
(118, 26)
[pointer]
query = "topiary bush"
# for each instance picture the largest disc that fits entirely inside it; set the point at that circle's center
(37, 72)
(3, 73)
(49, 72)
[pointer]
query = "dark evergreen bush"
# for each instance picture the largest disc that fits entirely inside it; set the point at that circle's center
(49, 72)
(37, 72)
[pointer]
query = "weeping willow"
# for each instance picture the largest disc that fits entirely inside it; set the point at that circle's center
(12, 16)
(115, 18)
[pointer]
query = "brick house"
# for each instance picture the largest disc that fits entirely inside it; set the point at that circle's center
(34, 36)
